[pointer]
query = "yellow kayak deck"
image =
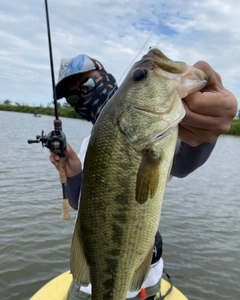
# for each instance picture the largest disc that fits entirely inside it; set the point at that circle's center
(57, 289)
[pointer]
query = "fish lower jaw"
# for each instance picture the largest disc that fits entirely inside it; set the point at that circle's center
(155, 113)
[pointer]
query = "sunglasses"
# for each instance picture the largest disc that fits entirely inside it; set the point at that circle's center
(84, 88)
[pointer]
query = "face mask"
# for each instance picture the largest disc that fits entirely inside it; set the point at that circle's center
(89, 106)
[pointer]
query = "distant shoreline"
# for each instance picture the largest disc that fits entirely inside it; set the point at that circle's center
(67, 112)
(63, 111)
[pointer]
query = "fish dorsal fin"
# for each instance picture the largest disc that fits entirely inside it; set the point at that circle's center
(147, 176)
(142, 272)
(78, 262)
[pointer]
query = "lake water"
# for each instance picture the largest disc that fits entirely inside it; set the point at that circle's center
(199, 223)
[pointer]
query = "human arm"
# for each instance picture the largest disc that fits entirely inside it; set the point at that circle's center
(187, 159)
(73, 173)
(73, 190)
(209, 113)
(74, 183)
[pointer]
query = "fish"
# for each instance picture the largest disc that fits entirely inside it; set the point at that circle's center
(126, 169)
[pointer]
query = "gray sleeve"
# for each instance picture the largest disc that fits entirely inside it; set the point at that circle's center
(73, 190)
(187, 159)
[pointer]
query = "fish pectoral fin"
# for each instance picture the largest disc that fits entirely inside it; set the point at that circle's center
(79, 267)
(147, 177)
(141, 273)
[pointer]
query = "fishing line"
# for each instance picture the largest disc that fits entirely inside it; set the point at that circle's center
(147, 40)
(124, 73)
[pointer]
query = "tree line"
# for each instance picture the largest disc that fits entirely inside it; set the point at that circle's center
(64, 110)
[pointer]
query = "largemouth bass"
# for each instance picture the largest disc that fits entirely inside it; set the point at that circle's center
(126, 169)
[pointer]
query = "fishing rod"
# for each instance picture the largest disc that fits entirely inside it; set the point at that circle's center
(56, 139)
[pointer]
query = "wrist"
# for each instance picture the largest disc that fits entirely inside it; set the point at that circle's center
(74, 177)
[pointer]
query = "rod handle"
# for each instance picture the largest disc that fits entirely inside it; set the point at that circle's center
(65, 209)
(63, 180)
(61, 170)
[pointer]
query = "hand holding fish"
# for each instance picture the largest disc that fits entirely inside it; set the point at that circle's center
(73, 163)
(209, 112)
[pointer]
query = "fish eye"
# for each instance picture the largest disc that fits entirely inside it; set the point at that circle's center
(139, 74)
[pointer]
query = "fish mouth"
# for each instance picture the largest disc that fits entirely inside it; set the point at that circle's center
(155, 55)
(168, 67)
(172, 69)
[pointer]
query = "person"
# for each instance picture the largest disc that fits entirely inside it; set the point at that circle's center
(87, 86)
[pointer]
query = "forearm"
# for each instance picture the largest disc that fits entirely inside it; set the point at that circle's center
(187, 159)
(73, 190)
(74, 183)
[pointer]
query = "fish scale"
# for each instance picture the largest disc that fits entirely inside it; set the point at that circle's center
(126, 170)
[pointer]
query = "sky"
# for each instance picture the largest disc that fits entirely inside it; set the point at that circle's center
(117, 33)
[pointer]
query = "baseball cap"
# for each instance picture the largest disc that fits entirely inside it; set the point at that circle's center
(73, 66)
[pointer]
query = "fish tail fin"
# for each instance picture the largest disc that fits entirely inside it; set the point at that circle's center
(142, 272)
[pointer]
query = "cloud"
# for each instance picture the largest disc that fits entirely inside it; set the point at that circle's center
(115, 32)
